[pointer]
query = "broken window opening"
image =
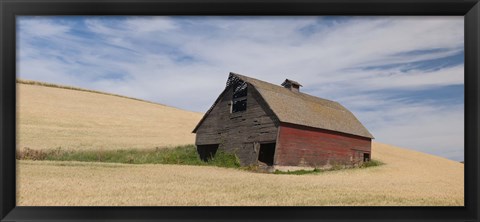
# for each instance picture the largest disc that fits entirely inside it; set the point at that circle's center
(239, 105)
(239, 89)
(239, 97)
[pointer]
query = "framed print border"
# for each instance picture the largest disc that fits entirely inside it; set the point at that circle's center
(9, 9)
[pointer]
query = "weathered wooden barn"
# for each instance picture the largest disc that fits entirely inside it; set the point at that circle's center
(279, 125)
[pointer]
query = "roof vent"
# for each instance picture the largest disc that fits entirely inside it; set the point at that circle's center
(292, 85)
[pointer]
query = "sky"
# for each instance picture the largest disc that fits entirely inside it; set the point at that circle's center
(402, 77)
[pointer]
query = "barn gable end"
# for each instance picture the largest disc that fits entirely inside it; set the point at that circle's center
(238, 132)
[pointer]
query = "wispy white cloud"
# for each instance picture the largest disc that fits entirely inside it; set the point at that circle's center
(41, 27)
(405, 80)
(427, 128)
(149, 24)
(184, 62)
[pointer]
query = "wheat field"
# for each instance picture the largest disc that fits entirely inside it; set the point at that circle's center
(408, 178)
(52, 117)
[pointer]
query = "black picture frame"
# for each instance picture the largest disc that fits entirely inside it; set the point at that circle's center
(9, 9)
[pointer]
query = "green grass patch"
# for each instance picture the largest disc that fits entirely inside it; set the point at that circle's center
(184, 155)
(371, 163)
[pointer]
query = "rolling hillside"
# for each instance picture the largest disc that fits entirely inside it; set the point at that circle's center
(50, 116)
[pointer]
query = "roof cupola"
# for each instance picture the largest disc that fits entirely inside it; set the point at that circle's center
(292, 85)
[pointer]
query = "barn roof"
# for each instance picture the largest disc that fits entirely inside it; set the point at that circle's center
(303, 109)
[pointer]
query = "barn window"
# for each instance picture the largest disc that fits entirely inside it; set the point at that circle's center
(239, 98)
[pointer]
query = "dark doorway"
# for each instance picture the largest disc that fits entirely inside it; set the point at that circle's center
(366, 157)
(266, 154)
(207, 152)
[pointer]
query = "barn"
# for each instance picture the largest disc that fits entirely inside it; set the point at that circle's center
(278, 125)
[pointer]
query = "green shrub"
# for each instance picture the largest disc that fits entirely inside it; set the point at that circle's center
(371, 163)
(224, 159)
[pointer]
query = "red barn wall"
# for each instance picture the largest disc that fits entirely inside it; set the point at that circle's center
(305, 146)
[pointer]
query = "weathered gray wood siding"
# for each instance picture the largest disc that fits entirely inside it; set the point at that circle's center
(237, 132)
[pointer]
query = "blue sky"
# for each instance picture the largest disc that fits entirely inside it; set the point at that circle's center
(403, 77)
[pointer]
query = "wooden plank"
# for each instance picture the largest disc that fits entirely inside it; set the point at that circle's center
(237, 132)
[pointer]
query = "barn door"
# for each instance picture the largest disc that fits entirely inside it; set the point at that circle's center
(207, 152)
(366, 157)
(267, 153)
